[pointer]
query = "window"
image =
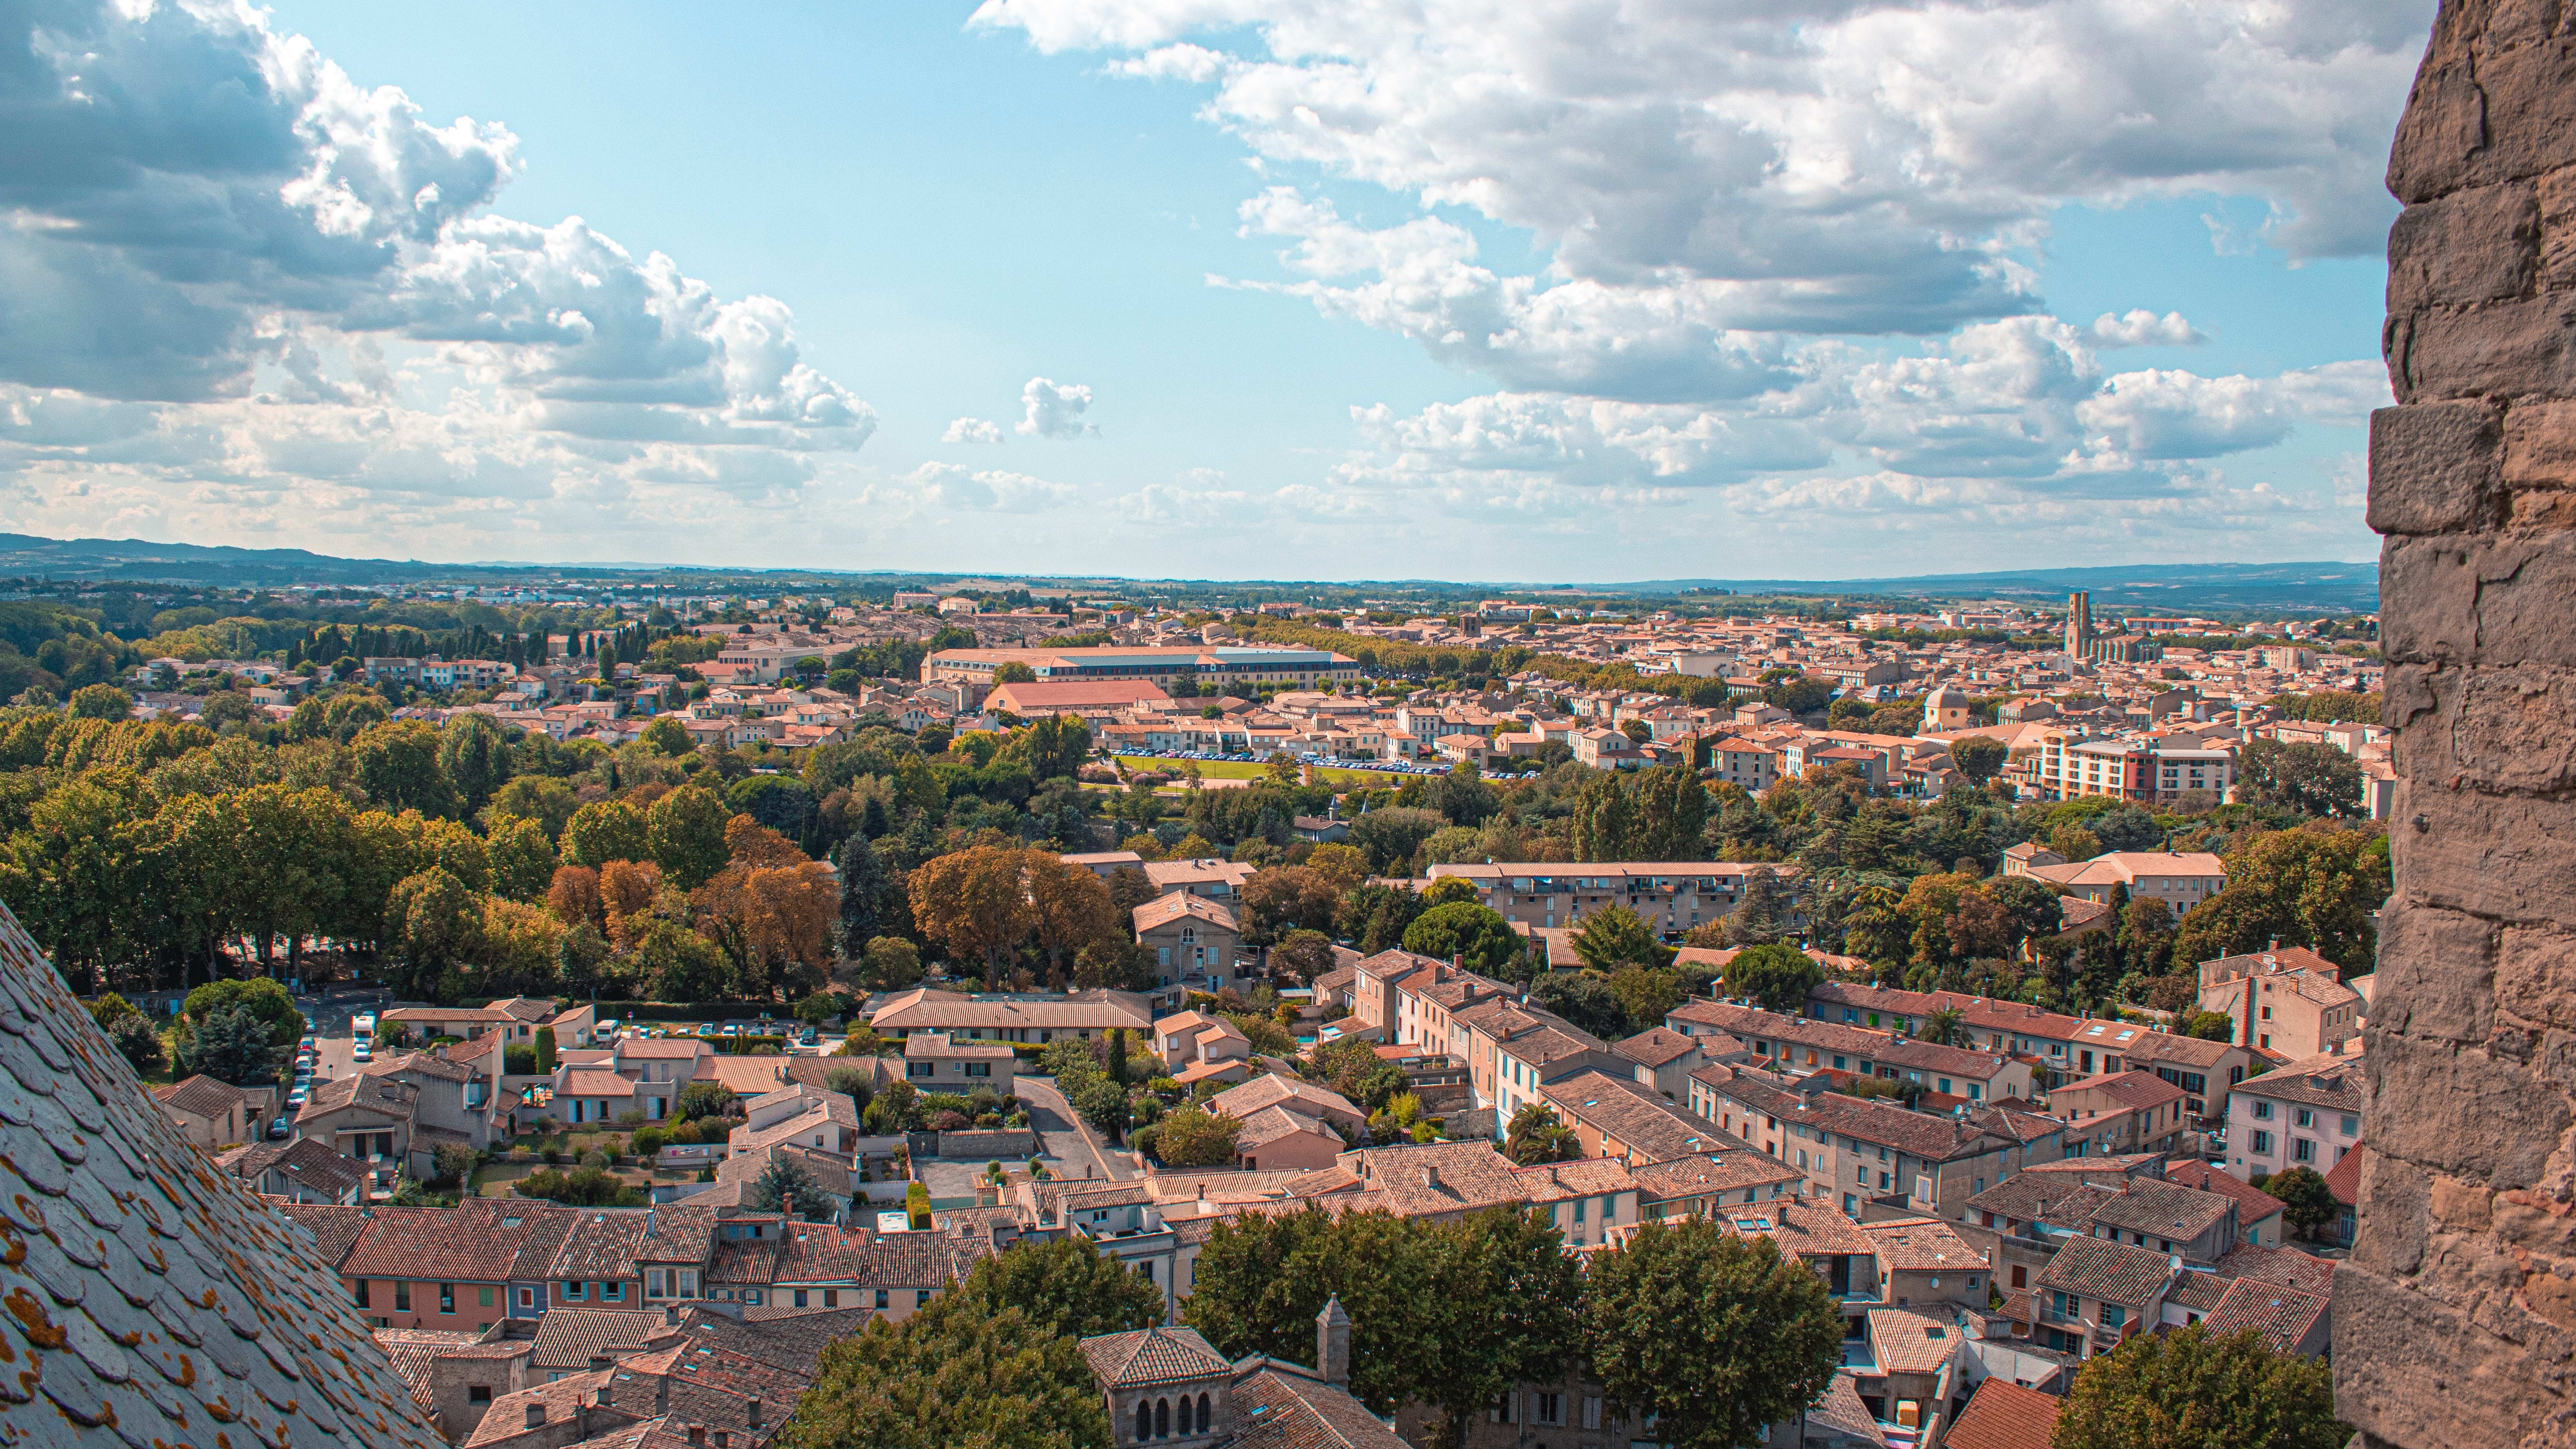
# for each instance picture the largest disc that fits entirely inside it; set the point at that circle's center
(574, 1290)
(2262, 1110)
(2303, 1149)
(612, 1292)
(1547, 1408)
(1591, 1411)
(362, 1293)
(2262, 1142)
(527, 1298)
(2349, 1126)
(800, 1298)
(482, 1297)
(1162, 1418)
(884, 1299)
(921, 1298)
(1144, 1420)
(919, 1069)
(751, 1295)
(478, 1393)
(402, 1297)
(2305, 1118)
(2113, 1315)
(1580, 1204)
(447, 1298)
(656, 1283)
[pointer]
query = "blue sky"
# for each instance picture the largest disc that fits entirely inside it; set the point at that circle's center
(1352, 293)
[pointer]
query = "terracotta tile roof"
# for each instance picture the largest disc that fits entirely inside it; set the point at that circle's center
(201, 1096)
(580, 1083)
(152, 1294)
(1281, 1407)
(2279, 1265)
(1272, 1090)
(794, 1344)
(1164, 910)
(1802, 1229)
(1880, 1124)
(2004, 1415)
(2198, 1292)
(1656, 1045)
(1841, 1410)
(2328, 1081)
(2133, 1089)
(1727, 1171)
(926, 1009)
(2344, 1180)
(412, 1350)
(334, 1229)
(1910, 1342)
(2253, 1204)
(465, 1244)
(2111, 1272)
(1152, 1356)
(1920, 1245)
(602, 1244)
(1273, 1124)
(1637, 1116)
(563, 1401)
(2283, 1315)
(568, 1338)
(2163, 1210)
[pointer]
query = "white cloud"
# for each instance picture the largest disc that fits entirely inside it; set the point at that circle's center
(310, 319)
(1053, 411)
(1191, 503)
(987, 490)
(2139, 327)
(1193, 63)
(972, 430)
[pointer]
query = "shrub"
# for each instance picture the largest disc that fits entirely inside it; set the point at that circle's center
(650, 1140)
(595, 1158)
(916, 1203)
(631, 1119)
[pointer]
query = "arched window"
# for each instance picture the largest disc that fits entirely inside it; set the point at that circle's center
(1182, 1420)
(1162, 1418)
(1205, 1422)
(1144, 1421)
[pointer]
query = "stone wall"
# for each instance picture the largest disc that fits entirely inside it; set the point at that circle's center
(2455, 1321)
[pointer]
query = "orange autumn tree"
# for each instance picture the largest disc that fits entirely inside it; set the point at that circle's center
(1069, 908)
(975, 902)
(626, 892)
(574, 898)
(771, 910)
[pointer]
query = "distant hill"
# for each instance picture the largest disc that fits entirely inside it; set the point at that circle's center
(2182, 588)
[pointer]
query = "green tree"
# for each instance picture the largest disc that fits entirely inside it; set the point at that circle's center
(1716, 1335)
(1536, 1135)
(1103, 1104)
(602, 831)
(1354, 1070)
(1615, 936)
(2313, 779)
(432, 923)
(2185, 1389)
(893, 963)
(260, 996)
(1475, 936)
(1777, 977)
(1193, 1137)
(1762, 917)
(951, 1374)
(2307, 1204)
(2211, 1026)
(1303, 955)
(475, 754)
(1512, 1300)
(685, 833)
(1262, 1280)
(1064, 1285)
(398, 766)
(231, 1044)
(138, 1041)
(783, 1181)
(2313, 887)
(1943, 1026)
(1978, 758)
(523, 861)
(667, 736)
(100, 701)
(1646, 997)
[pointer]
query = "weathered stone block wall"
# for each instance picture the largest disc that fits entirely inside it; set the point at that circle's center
(2455, 1322)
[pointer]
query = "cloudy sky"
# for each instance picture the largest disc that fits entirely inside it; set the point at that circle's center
(1477, 289)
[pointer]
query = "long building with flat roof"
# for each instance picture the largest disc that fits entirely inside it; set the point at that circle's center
(1214, 665)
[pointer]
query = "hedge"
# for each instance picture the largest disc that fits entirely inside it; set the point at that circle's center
(742, 1046)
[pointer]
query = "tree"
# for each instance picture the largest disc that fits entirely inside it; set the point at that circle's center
(602, 831)
(1943, 1026)
(2314, 887)
(432, 923)
(1103, 1104)
(260, 996)
(100, 701)
(137, 1040)
(786, 1181)
(1261, 1281)
(1804, 694)
(954, 1373)
(2184, 1389)
(1584, 998)
(2211, 1026)
(231, 1044)
(2313, 779)
(1285, 898)
(1192, 1137)
(573, 896)
(864, 882)
(1064, 1285)
(1352, 1068)
(1536, 1135)
(1477, 937)
(975, 902)
(522, 859)
(667, 736)
(893, 963)
(1777, 977)
(1303, 956)
(2307, 1204)
(1069, 908)
(1646, 997)
(1615, 936)
(475, 755)
(398, 767)
(1392, 835)
(1718, 1336)
(685, 834)
(821, 1007)
(702, 1099)
(1513, 1300)
(1978, 758)
(1762, 917)
(1114, 964)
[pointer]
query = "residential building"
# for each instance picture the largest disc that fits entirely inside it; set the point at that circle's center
(933, 1062)
(1800, 1043)
(2291, 1003)
(1218, 880)
(1195, 1047)
(1665, 1058)
(2096, 1294)
(1619, 1118)
(1193, 939)
(2258, 1213)
(1222, 666)
(1167, 1385)
(1672, 896)
(1707, 1184)
(1856, 1152)
(210, 1113)
(2305, 1114)
(2121, 1112)
(1039, 1018)
(2205, 1070)
(2181, 879)
(302, 1170)
(1302, 1097)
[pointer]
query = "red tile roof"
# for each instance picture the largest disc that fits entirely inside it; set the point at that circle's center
(2004, 1416)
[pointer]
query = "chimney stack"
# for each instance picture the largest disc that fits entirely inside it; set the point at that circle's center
(754, 1412)
(1333, 1343)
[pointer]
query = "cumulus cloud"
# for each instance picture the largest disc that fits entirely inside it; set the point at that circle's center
(2139, 327)
(1050, 410)
(987, 490)
(972, 430)
(296, 293)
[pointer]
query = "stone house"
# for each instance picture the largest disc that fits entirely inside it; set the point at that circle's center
(209, 1113)
(2095, 1294)
(2305, 1114)
(2130, 1111)
(1192, 938)
(934, 1062)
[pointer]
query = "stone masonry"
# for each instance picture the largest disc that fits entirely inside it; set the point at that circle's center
(2455, 1321)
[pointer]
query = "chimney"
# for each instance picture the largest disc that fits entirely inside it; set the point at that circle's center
(753, 1411)
(536, 1416)
(698, 1435)
(1333, 1343)
(1430, 1176)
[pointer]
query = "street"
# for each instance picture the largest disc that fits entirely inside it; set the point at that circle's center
(1066, 1138)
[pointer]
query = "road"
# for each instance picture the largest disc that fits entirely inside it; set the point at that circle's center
(1066, 1138)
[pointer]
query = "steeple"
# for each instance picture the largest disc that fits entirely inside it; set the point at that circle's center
(1333, 1344)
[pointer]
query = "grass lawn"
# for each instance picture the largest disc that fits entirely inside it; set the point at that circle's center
(1242, 770)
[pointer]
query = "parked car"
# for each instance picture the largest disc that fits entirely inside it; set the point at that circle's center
(280, 1128)
(362, 1052)
(301, 1095)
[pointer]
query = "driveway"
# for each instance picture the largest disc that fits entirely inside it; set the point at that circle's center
(1066, 1138)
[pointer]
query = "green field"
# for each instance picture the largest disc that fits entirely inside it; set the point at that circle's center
(1242, 770)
